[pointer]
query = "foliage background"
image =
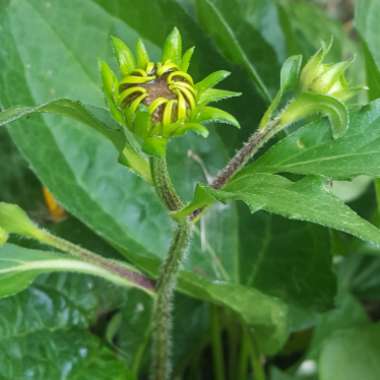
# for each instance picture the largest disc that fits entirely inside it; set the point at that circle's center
(304, 289)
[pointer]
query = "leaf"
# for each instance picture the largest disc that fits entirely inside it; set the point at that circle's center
(68, 108)
(124, 56)
(351, 354)
(211, 115)
(306, 200)
(172, 49)
(311, 150)
(20, 266)
(214, 17)
(366, 16)
(287, 259)
(80, 355)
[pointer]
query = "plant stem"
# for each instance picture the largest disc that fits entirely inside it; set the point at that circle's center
(258, 369)
(162, 311)
(217, 347)
(163, 184)
(249, 149)
(85, 255)
(244, 355)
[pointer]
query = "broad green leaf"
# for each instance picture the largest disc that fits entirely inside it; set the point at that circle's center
(287, 259)
(80, 168)
(20, 266)
(351, 354)
(367, 14)
(305, 200)
(312, 151)
(65, 354)
(217, 18)
(373, 74)
(348, 313)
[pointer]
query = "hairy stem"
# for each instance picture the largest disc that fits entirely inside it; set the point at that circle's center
(112, 266)
(163, 184)
(249, 149)
(162, 311)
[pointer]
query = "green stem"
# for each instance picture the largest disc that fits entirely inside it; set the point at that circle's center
(258, 369)
(217, 346)
(162, 311)
(244, 356)
(114, 267)
(249, 149)
(163, 184)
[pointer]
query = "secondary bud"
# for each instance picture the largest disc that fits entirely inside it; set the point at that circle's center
(326, 79)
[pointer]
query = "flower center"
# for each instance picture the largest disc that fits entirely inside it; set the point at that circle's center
(167, 91)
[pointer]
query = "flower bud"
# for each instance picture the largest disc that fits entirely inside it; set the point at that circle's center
(15, 220)
(160, 100)
(326, 79)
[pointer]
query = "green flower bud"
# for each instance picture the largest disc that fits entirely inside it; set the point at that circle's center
(14, 220)
(159, 100)
(326, 79)
(318, 88)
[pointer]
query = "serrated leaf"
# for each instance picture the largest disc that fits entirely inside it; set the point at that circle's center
(206, 114)
(311, 150)
(212, 80)
(305, 200)
(212, 95)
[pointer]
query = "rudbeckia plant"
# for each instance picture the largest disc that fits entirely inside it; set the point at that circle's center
(151, 103)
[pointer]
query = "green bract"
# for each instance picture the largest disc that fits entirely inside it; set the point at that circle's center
(159, 100)
(317, 88)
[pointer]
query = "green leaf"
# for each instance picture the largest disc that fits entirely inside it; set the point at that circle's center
(14, 220)
(141, 54)
(373, 74)
(290, 72)
(20, 266)
(173, 48)
(366, 16)
(287, 259)
(186, 59)
(230, 27)
(307, 104)
(205, 114)
(215, 95)
(351, 354)
(311, 150)
(124, 56)
(212, 80)
(68, 108)
(306, 200)
(80, 355)
(347, 314)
